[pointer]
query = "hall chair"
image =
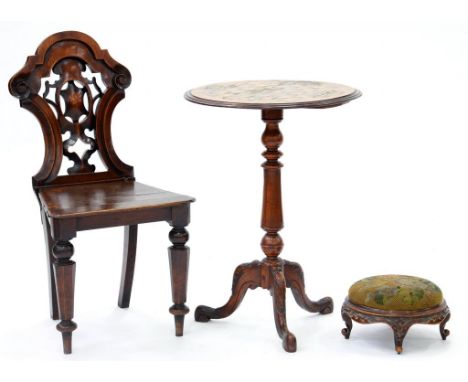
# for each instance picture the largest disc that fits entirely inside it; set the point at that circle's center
(72, 86)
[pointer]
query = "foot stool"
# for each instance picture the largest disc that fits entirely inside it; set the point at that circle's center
(399, 301)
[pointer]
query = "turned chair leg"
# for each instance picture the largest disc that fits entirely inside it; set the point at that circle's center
(128, 265)
(64, 270)
(179, 255)
(49, 243)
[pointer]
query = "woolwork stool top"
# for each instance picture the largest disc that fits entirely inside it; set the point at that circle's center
(72, 86)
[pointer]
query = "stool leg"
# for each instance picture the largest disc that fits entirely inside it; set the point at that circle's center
(348, 322)
(399, 332)
(444, 332)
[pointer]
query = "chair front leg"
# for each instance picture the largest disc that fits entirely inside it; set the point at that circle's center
(128, 265)
(179, 255)
(64, 271)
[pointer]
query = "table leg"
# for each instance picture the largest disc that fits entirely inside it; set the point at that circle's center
(271, 273)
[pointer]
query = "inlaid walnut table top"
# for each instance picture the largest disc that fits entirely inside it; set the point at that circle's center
(273, 94)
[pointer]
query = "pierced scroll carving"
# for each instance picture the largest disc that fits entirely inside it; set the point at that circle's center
(72, 86)
(73, 98)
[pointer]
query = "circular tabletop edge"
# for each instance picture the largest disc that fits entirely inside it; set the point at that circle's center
(265, 106)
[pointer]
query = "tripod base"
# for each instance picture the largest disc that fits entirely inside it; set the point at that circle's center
(276, 275)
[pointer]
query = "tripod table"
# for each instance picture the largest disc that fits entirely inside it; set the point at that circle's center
(272, 273)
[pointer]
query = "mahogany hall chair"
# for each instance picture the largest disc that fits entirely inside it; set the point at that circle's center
(72, 86)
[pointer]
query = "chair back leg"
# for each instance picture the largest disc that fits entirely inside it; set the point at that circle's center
(49, 243)
(128, 265)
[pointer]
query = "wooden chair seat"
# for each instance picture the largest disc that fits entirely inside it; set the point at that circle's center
(108, 198)
(72, 86)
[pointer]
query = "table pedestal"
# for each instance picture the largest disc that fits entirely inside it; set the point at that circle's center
(272, 273)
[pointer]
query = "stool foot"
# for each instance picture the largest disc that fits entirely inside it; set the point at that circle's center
(444, 332)
(349, 324)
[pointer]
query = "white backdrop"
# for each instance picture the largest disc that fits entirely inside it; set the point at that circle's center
(375, 186)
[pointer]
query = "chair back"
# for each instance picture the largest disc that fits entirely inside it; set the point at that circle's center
(72, 86)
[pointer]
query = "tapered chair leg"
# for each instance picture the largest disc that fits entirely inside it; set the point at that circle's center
(64, 270)
(179, 255)
(49, 243)
(128, 265)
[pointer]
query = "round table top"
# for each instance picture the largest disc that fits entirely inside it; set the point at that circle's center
(273, 94)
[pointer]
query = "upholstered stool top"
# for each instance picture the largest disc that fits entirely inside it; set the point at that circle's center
(395, 292)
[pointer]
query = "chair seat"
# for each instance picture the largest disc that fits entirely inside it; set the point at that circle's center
(100, 198)
(395, 292)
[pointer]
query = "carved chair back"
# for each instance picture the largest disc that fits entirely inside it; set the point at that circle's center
(72, 86)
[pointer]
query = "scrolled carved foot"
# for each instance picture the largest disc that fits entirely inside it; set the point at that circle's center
(245, 276)
(326, 304)
(203, 313)
(444, 333)
(346, 333)
(349, 325)
(289, 342)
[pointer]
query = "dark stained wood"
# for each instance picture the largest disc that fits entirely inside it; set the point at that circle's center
(273, 273)
(399, 321)
(67, 54)
(64, 269)
(179, 256)
(72, 86)
(272, 211)
(295, 280)
(49, 243)
(247, 275)
(128, 265)
(97, 199)
(178, 263)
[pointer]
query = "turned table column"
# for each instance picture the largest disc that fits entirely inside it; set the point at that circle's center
(272, 273)
(272, 210)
